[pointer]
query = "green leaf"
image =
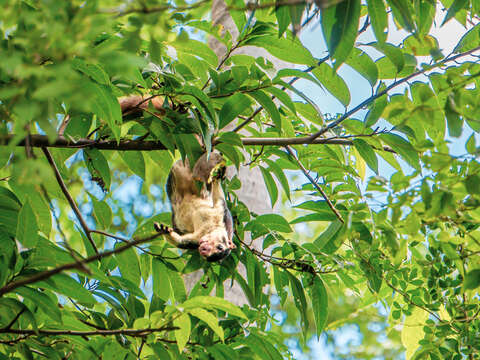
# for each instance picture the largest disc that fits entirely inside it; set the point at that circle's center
(98, 167)
(102, 212)
(40, 299)
(376, 109)
(403, 12)
(340, 28)
(205, 104)
(160, 351)
(197, 48)
(235, 106)
(469, 41)
(231, 138)
(471, 144)
(367, 153)
(271, 185)
(129, 264)
(177, 285)
(161, 284)
(472, 280)
(230, 152)
(271, 221)
(282, 13)
(379, 18)
(134, 161)
(212, 302)
(9, 208)
(66, 285)
(183, 333)
(295, 73)
(456, 7)
(334, 84)
(267, 103)
(472, 184)
(403, 148)
(27, 225)
(393, 53)
(95, 72)
(209, 319)
(412, 332)
(329, 235)
(280, 175)
(425, 11)
(283, 97)
(106, 106)
(296, 15)
(222, 352)
(15, 307)
(300, 300)
(365, 66)
(319, 297)
(320, 216)
(262, 347)
(287, 49)
(238, 16)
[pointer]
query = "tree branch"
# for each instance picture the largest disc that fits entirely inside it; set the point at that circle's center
(385, 92)
(74, 265)
(284, 263)
(128, 332)
(70, 200)
(148, 145)
(315, 184)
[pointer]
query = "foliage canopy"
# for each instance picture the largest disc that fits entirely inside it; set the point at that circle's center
(83, 275)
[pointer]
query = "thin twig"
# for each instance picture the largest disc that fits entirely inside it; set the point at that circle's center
(10, 324)
(63, 125)
(70, 200)
(314, 183)
(74, 265)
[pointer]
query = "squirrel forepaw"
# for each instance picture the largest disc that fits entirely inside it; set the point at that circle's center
(161, 228)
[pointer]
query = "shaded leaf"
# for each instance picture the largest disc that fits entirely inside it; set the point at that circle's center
(340, 28)
(366, 151)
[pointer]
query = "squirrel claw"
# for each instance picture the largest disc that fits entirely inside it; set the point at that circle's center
(161, 228)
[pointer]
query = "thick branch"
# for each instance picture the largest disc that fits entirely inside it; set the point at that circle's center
(74, 265)
(147, 145)
(69, 197)
(315, 184)
(129, 332)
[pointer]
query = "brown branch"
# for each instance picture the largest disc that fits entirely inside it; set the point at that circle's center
(74, 265)
(284, 263)
(70, 200)
(64, 124)
(146, 10)
(147, 145)
(249, 7)
(314, 183)
(385, 92)
(128, 332)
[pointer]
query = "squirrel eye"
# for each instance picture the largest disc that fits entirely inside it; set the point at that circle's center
(220, 247)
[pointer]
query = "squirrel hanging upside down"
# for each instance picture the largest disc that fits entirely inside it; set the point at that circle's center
(200, 218)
